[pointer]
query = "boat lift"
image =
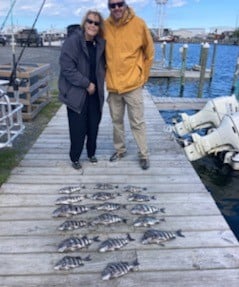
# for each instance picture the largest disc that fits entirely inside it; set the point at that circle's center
(11, 124)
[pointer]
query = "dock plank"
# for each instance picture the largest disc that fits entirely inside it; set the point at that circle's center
(208, 255)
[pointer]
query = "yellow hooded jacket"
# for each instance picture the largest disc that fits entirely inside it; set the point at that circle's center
(129, 53)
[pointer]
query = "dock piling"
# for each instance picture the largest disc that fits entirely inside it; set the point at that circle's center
(213, 59)
(183, 51)
(204, 56)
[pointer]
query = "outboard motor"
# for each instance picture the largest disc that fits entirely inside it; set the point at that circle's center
(210, 116)
(223, 138)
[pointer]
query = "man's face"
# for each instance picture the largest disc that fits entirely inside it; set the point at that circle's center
(117, 8)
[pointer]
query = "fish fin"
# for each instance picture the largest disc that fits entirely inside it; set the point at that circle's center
(153, 197)
(162, 210)
(163, 219)
(124, 220)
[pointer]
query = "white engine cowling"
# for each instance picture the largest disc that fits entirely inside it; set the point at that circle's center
(223, 138)
(210, 116)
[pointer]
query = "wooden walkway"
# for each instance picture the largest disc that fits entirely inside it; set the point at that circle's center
(208, 255)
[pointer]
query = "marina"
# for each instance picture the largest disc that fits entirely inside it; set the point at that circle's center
(207, 254)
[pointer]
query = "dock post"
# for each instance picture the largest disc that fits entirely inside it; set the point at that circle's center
(163, 46)
(203, 68)
(200, 57)
(170, 56)
(183, 51)
(213, 59)
(235, 86)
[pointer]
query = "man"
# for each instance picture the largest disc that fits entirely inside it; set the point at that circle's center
(129, 56)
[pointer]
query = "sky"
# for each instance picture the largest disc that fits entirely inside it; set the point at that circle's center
(174, 14)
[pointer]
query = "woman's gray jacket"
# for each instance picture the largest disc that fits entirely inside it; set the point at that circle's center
(75, 71)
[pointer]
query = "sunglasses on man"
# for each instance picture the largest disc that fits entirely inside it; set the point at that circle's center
(118, 4)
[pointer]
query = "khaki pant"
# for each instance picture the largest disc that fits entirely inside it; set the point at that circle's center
(135, 107)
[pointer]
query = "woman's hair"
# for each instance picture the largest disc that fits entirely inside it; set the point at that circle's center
(101, 20)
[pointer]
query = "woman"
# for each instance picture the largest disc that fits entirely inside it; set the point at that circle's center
(81, 85)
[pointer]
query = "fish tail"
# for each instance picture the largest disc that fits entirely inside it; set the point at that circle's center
(153, 197)
(87, 258)
(162, 210)
(179, 233)
(136, 262)
(96, 239)
(130, 238)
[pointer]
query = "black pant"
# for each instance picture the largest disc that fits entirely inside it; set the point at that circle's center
(84, 125)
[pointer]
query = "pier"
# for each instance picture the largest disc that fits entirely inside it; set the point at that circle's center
(207, 255)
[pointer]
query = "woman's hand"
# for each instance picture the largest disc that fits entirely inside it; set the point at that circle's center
(91, 89)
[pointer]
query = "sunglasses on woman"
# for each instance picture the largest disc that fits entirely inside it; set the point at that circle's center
(89, 21)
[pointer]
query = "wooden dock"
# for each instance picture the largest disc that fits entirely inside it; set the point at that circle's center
(208, 255)
(156, 72)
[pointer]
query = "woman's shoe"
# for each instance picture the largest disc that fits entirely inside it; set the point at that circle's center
(76, 165)
(93, 159)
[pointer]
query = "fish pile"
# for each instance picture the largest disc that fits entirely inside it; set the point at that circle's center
(68, 206)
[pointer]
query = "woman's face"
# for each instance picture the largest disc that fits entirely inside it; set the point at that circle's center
(92, 25)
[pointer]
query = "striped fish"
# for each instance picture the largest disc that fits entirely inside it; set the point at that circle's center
(72, 225)
(146, 221)
(143, 209)
(134, 188)
(107, 219)
(104, 186)
(112, 244)
(152, 236)
(140, 197)
(103, 195)
(75, 243)
(70, 262)
(71, 189)
(117, 269)
(109, 206)
(69, 199)
(68, 210)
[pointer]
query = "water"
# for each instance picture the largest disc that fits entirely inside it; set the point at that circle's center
(220, 180)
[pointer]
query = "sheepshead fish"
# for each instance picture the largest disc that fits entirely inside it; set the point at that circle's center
(143, 209)
(112, 244)
(103, 195)
(154, 236)
(134, 188)
(70, 262)
(117, 269)
(72, 225)
(146, 221)
(69, 199)
(71, 189)
(75, 243)
(107, 219)
(140, 197)
(105, 186)
(109, 206)
(68, 210)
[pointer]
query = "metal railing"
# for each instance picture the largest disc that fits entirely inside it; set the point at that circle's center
(11, 124)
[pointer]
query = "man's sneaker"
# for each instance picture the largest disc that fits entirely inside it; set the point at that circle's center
(117, 156)
(144, 163)
(93, 159)
(76, 165)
